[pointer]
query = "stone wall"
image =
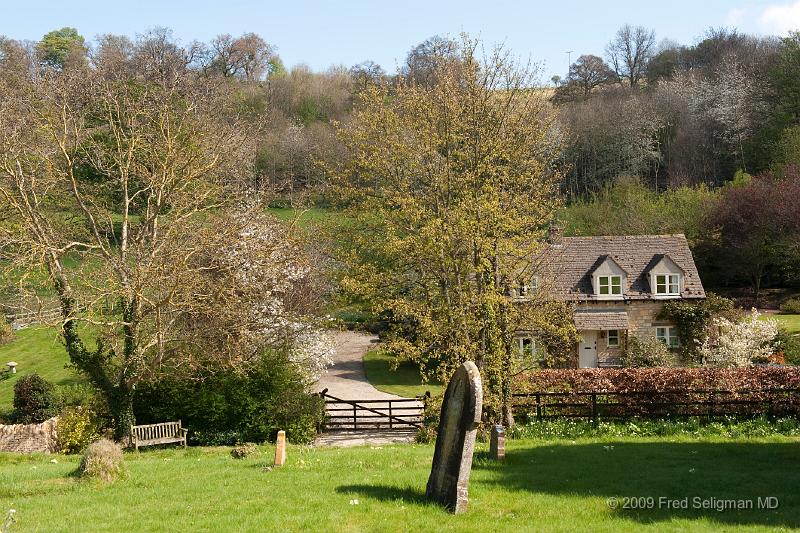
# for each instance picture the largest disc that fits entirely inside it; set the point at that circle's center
(642, 323)
(29, 438)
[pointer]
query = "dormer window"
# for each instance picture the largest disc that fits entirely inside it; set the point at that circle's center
(668, 284)
(609, 285)
(526, 290)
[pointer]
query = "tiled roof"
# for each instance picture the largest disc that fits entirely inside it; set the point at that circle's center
(603, 320)
(564, 268)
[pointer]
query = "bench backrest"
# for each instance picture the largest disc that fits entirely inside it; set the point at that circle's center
(157, 431)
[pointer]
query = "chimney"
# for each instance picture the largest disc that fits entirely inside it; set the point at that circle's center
(555, 233)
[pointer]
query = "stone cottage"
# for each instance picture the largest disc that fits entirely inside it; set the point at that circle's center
(618, 286)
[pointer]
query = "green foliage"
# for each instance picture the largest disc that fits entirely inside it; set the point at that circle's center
(58, 46)
(35, 400)
(627, 207)
(789, 346)
(309, 111)
(77, 428)
(103, 460)
(434, 180)
(693, 319)
(791, 307)
(726, 427)
(649, 352)
(228, 407)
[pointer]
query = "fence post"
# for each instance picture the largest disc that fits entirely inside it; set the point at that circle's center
(711, 396)
(538, 406)
(390, 414)
(355, 421)
(594, 408)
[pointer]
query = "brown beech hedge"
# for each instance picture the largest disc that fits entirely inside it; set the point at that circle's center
(659, 392)
(623, 380)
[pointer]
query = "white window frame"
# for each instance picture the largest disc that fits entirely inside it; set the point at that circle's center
(668, 335)
(610, 285)
(531, 340)
(667, 284)
(526, 291)
(616, 337)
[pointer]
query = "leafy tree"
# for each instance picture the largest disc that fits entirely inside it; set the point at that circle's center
(35, 400)
(758, 223)
(453, 185)
(60, 47)
(586, 74)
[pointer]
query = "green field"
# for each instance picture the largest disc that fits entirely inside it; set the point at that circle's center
(403, 381)
(790, 322)
(35, 349)
(542, 486)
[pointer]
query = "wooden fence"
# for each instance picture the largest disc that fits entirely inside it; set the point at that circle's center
(372, 414)
(662, 404)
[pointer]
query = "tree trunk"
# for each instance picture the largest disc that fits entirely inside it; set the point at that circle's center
(120, 403)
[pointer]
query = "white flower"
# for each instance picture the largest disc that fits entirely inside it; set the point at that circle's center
(739, 344)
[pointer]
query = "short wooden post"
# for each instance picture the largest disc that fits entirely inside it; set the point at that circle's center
(497, 444)
(538, 406)
(594, 408)
(280, 449)
(355, 415)
(390, 414)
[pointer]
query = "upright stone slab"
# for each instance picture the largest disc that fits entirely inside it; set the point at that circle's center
(280, 449)
(455, 440)
(497, 443)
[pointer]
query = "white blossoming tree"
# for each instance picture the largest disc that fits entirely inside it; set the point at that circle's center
(739, 344)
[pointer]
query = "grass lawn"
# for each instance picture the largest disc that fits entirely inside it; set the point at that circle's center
(790, 322)
(305, 217)
(542, 486)
(35, 349)
(405, 381)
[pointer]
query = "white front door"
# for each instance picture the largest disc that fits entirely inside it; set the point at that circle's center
(587, 350)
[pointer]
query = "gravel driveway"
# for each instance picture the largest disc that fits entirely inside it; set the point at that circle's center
(346, 378)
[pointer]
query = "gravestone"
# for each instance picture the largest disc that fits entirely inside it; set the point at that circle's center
(455, 440)
(280, 449)
(497, 443)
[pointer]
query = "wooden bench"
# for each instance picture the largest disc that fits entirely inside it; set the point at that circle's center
(162, 433)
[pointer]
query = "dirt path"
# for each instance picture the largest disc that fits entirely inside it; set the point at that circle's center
(346, 378)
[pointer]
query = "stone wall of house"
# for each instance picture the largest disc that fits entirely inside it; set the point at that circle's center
(642, 315)
(29, 438)
(642, 323)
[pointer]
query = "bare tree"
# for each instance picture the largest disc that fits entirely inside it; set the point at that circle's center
(138, 180)
(366, 73)
(246, 57)
(629, 52)
(423, 61)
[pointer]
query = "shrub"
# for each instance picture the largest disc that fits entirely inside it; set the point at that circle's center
(103, 460)
(77, 428)
(649, 352)
(243, 450)
(227, 407)
(789, 346)
(740, 343)
(34, 400)
(791, 307)
(6, 331)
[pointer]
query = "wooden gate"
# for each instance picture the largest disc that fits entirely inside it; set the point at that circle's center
(398, 414)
